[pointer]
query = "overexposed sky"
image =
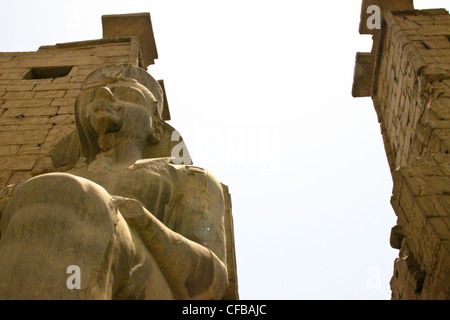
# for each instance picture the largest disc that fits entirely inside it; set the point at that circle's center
(261, 93)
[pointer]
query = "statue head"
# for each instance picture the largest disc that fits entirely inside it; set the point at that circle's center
(118, 104)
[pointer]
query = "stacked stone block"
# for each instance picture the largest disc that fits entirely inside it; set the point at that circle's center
(410, 88)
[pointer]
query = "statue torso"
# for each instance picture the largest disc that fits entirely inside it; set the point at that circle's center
(149, 181)
(187, 199)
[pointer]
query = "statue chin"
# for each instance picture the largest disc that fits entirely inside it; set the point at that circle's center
(103, 122)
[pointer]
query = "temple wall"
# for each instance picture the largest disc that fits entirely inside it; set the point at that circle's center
(408, 78)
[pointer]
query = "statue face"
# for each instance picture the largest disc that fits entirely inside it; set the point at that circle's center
(118, 112)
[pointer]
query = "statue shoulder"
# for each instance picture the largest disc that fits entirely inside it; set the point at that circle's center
(193, 178)
(187, 180)
(151, 164)
(188, 174)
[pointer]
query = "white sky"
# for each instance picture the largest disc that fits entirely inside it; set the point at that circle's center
(261, 92)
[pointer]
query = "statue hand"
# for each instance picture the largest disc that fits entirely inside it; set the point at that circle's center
(132, 211)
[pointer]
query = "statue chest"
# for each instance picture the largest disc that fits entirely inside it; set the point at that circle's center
(152, 186)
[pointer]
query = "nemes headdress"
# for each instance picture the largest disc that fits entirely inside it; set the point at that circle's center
(126, 72)
(104, 76)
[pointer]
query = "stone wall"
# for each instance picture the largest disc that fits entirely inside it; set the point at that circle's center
(412, 75)
(37, 97)
(409, 78)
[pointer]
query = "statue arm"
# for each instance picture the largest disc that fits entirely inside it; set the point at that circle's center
(191, 270)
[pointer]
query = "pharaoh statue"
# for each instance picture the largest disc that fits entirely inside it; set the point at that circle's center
(135, 227)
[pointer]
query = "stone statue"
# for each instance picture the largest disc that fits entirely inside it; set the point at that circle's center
(135, 228)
